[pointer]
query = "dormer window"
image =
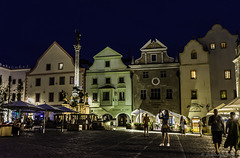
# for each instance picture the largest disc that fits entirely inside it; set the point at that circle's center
(153, 57)
(107, 63)
(60, 66)
(194, 55)
(223, 45)
(212, 46)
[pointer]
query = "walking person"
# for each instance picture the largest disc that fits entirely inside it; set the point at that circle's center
(233, 138)
(200, 127)
(145, 123)
(182, 125)
(217, 128)
(165, 128)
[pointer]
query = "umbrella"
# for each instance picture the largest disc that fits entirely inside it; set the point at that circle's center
(47, 107)
(21, 105)
(137, 111)
(65, 109)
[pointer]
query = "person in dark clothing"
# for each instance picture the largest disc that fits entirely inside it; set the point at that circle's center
(165, 128)
(217, 128)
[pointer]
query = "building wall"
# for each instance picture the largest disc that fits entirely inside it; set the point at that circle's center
(219, 61)
(195, 107)
(154, 80)
(98, 71)
(54, 55)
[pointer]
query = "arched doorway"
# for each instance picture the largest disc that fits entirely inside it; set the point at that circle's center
(123, 119)
(107, 117)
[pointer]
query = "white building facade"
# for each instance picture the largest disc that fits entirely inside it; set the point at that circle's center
(108, 85)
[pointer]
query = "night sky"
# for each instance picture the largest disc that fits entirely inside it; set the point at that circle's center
(28, 28)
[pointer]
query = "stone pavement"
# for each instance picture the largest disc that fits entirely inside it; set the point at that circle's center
(97, 144)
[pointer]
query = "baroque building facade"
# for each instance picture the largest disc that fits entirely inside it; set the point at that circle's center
(155, 77)
(52, 75)
(108, 85)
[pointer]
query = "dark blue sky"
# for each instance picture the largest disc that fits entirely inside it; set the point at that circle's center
(28, 28)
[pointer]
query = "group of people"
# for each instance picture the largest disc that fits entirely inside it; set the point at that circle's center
(218, 128)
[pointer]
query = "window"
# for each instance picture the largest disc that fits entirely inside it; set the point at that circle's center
(194, 94)
(108, 81)
(60, 66)
(105, 96)
(62, 80)
(61, 97)
(193, 74)
(37, 97)
(107, 63)
(5, 96)
(153, 57)
(194, 55)
(48, 67)
(71, 80)
(145, 74)
(163, 74)
(14, 81)
(51, 97)
(155, 93)
(121, 79)
(95, 96)
(95, 81)
(0, 79)
(121, 96)
(227, 74)
(223, 45)
(169, 94)
(223, 94)
(19, 81)
(38, 82)
(13, 96)
(143, 94)
(212, 46)
(51, 81)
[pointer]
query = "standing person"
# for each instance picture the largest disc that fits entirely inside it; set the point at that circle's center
(182, 125)
(200, 127)
(217, 128)
(165, 128)
(145, 122)
(233, 138)
(86, 124)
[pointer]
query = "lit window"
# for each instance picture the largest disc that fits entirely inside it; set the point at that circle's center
(193, 74)
(143, 94)
(212, 46)
(60, 66)
(145, 74)
(107, 63)
(154, 57)
(223, 45)
(223, 94)
(193, 94)
(227, 74)
(194, 55)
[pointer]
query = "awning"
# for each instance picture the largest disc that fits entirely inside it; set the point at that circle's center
(65, 109)
(137, 111)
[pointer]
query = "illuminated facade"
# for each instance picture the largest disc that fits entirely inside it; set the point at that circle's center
(53, 73)
(108, 85)
(156, 83)
(195, 80)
